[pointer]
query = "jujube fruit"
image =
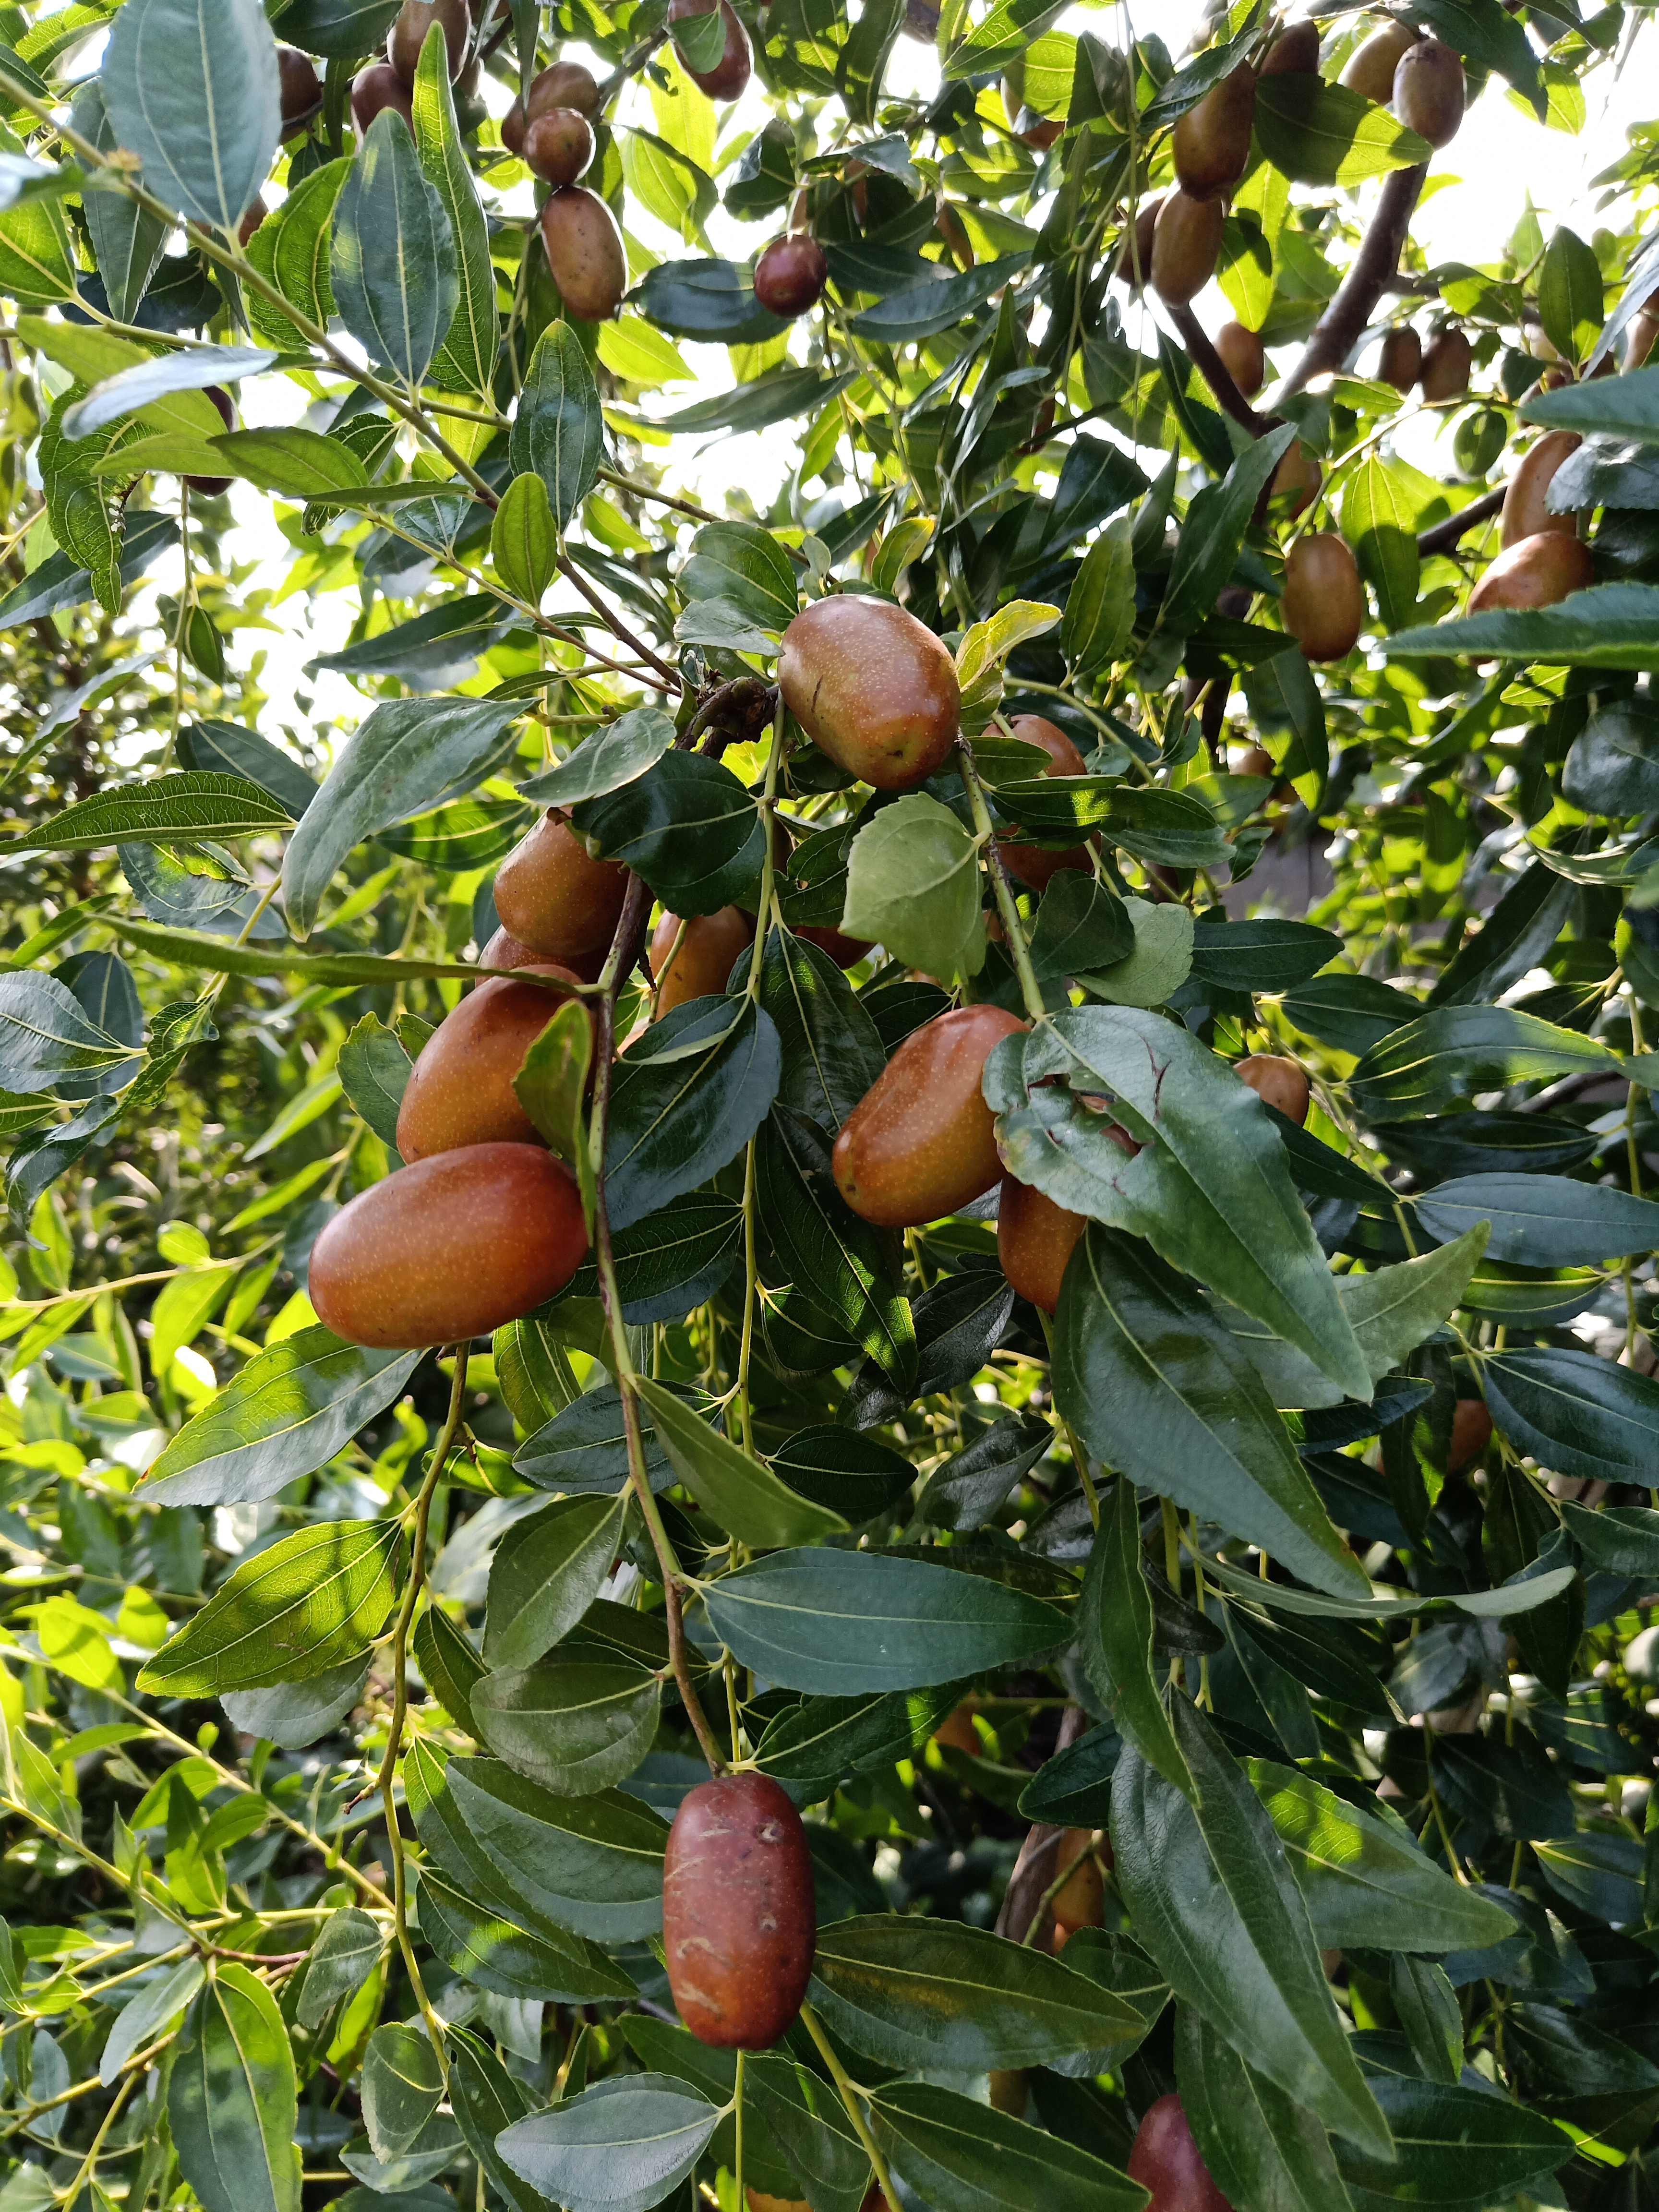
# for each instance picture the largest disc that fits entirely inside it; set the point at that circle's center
(504, 951)
(758, 2200)
(790, 274)
(1369, 70)
(210, 487)
(1446, 360)
(1035, 1239)
(1134, 263)
(300, 86)
(375, 88)
(1278, 1082)
(461, 1090)
(554, 898)
(1081, 1900)
(585, 253)
(450, 1248)
(1429, 91)
(1525, 512)
(1252, 760)
(1010, 2090)
(1186, 245)
(1400, 363)
(957, 1732)
(1294, 52)
(1643, 331)
(845, 951)
(256, 214)
(872, 688)
(1166, 2160)
(731, 73)
(409, 35)
(1295, 482)
(711, 945)
(1212, 140)
(558, 146)
(922, 1142)
(1035, 865)
(1536, 572)
(1471, 1432)
(1244, 356)
(740, 1918)
(562, 85)
(1324, 603)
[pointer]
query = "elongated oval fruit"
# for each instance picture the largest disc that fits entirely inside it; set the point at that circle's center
(449, 1248)
(461, 1090)
(375, 88)
(1035, 1240)
(1081, 1903)
(1244, 356)
(1186, 245)
(301, 89)
(1525, 513)
(1324, 603)
(1446, 360)
(1034, 864)
(1276, 1081)
(707, 952)
(730, 76)
(740, 1918)
(957, 1732)
(585, 253)
(1295, 482)
(1471, 1432)
(1429, 91)
(1537, 572)
(552, 898)
(790, 274)
(1400, 361)
(1011, 2090)
(558, 146)
(922, 1142)
(1134, 262)
(845, 951)
(1166, 2160)
(409, 34)
(1212, 140)
(1369, 70)
(1294, 52)
(872, 688)
(565, 84)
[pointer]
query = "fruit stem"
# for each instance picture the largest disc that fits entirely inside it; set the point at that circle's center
(849, 2097)
(1018, 950)
(737, 2099)
(400, 1701)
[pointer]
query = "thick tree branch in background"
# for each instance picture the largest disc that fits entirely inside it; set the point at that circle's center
(1214, 371)
(1444, 535)
(1374, 264)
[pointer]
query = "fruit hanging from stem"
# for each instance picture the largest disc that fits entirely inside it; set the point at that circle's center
(872, 688)
(739, 1913)
(922, 1142)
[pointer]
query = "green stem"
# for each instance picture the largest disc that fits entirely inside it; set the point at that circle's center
(1018, 950)
(848, 2096)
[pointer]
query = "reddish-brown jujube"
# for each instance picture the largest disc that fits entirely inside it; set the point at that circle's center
(1244, 356)
(1035, 1240)
(1212, 140)
(1400, 360)
(1536, 572)
(1324, 603)
(409, 35)
(1471, 1432)
(845, 951)
(922, 1142)
(1429, 91)
(301, 89)
(739, 1916)
(708, 949)
(1294, 52)
(1525, 513)
(375, 88)
(1186, 245)
(1295, 482)
(554, 898)
(730, 75)
(1369, 70)
(461, 1090)
(1134, 262)
(1033, 864)
(1446, 360)
(957, 1732)
(790, 274)
(210, 487)
(558, 146)
(1081, 1902)
(871, 687)
(585, 251)
(1166, 2160)
(449, 1248)
(1278, 1082)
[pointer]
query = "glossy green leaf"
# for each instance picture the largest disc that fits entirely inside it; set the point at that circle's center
(1114, 1635)
(392, 260)
(1605, 626)
(688, 1097)
(524, 541)
(1325, 134)
(950, 2149)
(466, 360)
(913, 885)
(620, 2147)
(576, 1723)
(687, 825)
(374, 1071)
(742, 1496)
(291, 247)
(823, 1738)
(832, 1050)
(294, 1715)
(183, 806)
(1259, 2147)
(402, 2082)
(1454, 2146)
(191, 90)
(45, 1035)
(1214, 529)
(1100, 608)
(232, 2099)
(558, 434)
(1424, 1064)
(1543, 1220)
(547, 1571)
(1575, 1415)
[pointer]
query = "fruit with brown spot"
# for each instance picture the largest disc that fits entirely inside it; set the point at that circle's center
(1400, 361)
(1525, 513)
(707, 952)
(1212, 140)
(1294, 52)
(554, 898)
(558, 146)
(1429, 91)
(300, 88)
(1446, 360)
(1186, 245)
(790, 274)
(730, 76)
(1369, 70)
(1033, 864)
(409, 35)
(1244, 356)
(922, 1142)
(872, 688)
(375, 88)
(1276, 1081)
(1166, 2160)
(1535, 572)
(1296, 483)
(449, 1248)
(461, 1090)
(740, 1914)
(1035, 1240)
(1324, 603)
(585, 253)
(1471, 1432)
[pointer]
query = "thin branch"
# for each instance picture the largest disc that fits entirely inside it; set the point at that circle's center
(1215, 371)
(1374, 266)
(1445, 535)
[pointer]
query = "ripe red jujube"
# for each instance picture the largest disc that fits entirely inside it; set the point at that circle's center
(1166, 2160)
(461, 1090)
(554, 898)
(1035, 1240)
(1034, 864)
(790, 274)
(707, 952)
(1278, 1081)
(872, 688)
(922, 1142)
(739, 1912)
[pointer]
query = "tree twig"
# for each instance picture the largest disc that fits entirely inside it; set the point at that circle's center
(1377, 263)
(1215, 371)
(1444, 535)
